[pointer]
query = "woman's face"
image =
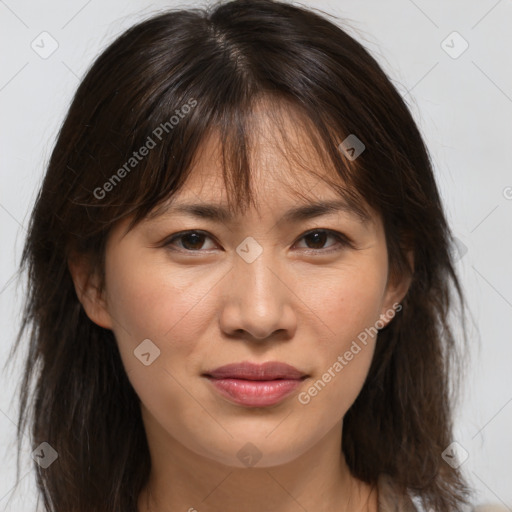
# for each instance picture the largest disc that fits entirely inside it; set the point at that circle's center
(248, 289)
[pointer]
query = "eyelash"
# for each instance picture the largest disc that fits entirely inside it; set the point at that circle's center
(343, 240)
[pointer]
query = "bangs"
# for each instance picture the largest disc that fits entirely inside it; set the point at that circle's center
(235, 131)
(181, 80)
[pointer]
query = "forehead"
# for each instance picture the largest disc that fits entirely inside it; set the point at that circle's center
(306, 197)
(288, 169)
(284, 157)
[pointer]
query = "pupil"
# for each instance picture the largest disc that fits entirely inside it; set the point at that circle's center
(192, 236)
(321, 234)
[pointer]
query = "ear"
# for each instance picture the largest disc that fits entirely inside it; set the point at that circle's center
(396, 289)
(88, 290)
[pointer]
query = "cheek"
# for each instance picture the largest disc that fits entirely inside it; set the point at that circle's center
(350, 301)
(153, 300)
(150, 301)
(349, 305)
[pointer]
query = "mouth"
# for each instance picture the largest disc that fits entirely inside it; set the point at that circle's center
(256, 385)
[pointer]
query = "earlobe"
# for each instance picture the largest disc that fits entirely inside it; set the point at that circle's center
(88, 291)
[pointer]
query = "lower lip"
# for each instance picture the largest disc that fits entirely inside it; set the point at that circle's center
(255, 393)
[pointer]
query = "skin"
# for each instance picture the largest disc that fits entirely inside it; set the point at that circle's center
(204, 306)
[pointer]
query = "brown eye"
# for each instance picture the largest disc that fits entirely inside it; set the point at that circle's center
(194, 241)
(315, 240)
(190, 241)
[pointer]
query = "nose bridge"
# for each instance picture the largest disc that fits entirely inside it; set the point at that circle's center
(252, 267)
(255, 299)
(256, 274)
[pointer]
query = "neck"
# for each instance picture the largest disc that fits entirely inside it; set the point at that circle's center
(318, 479)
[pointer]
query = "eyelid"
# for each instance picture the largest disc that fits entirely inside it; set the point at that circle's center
(167, 242)
(341, 237)
(342, 240)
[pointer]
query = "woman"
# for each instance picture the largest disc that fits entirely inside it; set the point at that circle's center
(240, 275)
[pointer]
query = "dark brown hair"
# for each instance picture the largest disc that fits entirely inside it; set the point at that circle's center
(75, 394)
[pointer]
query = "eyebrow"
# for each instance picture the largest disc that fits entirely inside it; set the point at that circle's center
(215, 212)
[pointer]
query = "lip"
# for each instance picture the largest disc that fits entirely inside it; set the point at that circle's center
(246, 370)
(256, 385)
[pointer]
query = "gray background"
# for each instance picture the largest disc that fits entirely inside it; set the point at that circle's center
(462, 105)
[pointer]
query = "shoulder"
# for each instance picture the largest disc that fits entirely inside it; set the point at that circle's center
(390, 499)
(491, 507)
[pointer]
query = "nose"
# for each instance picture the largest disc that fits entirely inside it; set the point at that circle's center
(257, 301)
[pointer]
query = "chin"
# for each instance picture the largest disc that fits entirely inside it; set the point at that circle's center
(256, 452)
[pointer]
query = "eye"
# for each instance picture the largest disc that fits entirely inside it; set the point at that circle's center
(193, 241)
(318, 237)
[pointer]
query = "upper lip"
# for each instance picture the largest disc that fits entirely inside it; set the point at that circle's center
(250, 371)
